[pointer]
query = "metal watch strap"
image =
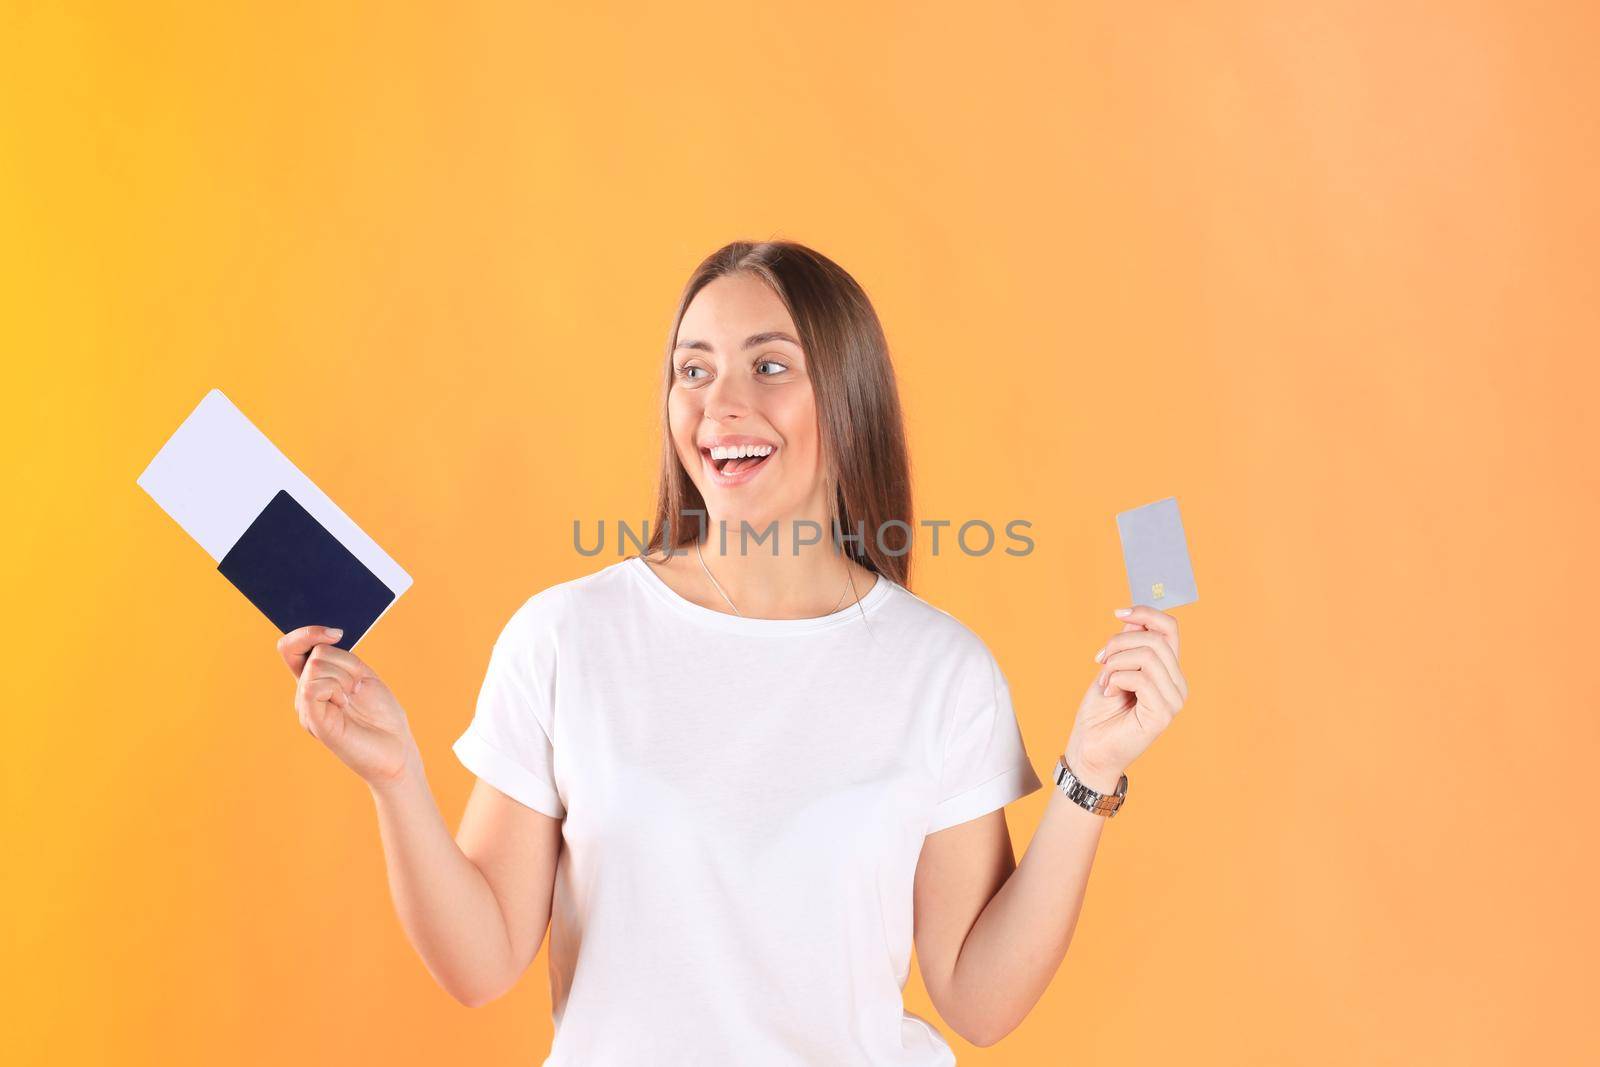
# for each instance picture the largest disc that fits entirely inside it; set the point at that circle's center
(1096, 803)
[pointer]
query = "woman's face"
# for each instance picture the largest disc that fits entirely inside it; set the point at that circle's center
(739, 378)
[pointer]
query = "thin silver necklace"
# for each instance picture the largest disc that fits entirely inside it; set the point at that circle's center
(735, 607)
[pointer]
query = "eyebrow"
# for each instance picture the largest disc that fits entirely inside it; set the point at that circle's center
(749, 342)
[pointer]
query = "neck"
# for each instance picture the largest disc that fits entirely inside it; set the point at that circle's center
(792, 583)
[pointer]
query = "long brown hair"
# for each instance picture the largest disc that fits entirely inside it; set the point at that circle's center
(858, 405)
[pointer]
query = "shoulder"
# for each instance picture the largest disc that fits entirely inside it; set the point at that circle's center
(938, 631)
(587, 596)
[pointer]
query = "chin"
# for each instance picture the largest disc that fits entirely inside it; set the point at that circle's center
(732, 509)
(734, 512)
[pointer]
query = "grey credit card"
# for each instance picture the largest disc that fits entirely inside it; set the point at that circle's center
(1157, 555)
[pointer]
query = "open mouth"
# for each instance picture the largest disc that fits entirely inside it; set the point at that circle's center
(736, 463)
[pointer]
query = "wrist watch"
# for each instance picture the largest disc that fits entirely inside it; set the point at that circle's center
(1096, 803)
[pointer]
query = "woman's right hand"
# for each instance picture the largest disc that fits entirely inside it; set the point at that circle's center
(346, 706)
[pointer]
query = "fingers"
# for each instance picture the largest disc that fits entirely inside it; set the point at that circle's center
(1153, 619)
(328, 676)
(1143, 660)
(316, 696)
(1145, 666)
(1157, 646)
(325, 684)
(1146, 696)
(320, 665)
(296, 644)
(349, 661)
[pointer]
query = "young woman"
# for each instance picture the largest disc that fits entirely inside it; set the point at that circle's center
(738, 780)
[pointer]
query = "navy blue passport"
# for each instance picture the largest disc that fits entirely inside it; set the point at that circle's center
(288, 565)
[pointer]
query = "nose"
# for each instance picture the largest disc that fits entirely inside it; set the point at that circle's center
(726, 399)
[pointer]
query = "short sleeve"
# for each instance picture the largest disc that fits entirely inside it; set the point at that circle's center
(985, 764)
(510, 741)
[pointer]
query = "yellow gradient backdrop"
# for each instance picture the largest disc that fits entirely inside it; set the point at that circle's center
(1327, 276)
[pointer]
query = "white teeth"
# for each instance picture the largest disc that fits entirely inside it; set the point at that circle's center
(739, 451)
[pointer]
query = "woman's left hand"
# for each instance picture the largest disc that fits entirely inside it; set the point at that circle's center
(1139, 689)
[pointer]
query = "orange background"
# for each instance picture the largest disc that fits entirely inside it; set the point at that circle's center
(1326, 276)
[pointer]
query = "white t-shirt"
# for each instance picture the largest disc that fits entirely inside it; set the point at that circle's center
(744, 802)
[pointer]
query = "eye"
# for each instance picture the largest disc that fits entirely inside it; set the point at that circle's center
(771, 363)
(684, 371)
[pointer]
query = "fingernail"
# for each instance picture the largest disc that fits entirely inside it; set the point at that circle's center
(1106, 691)
(1099, 655)
(1120, 612)
(335, 633)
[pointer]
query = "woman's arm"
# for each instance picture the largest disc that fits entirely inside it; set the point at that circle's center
(991, 934)
(985, 974)
(475, 907)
